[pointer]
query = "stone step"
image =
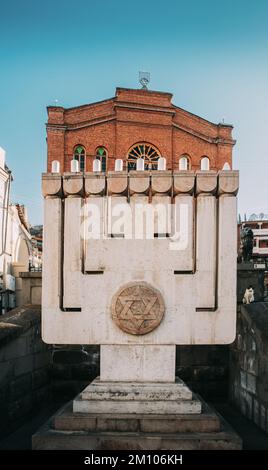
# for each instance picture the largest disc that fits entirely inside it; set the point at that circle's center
(124, 391)
(139, 406)
(48, 438)
(66, 420)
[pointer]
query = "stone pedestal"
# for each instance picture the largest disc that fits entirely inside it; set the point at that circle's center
(144, 398)
(136, 416)
(137, 363)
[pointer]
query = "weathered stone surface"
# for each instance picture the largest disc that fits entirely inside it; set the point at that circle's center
(228, 182)
(137, 308)
(73, 184)
(161, 182)
(17, 321)
(206, 182)
(176, 424)
(22, 384)
(184, 182)
(139, 406)
(248, 366)
(117, 182)
(94, 183)
(97, 432)
(139, 182)
(51, 185)
(137, 363)
(124, 391)
(66, 420)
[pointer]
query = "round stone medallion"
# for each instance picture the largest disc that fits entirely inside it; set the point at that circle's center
(138, 308)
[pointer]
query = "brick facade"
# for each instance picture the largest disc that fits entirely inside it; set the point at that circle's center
(134, 116)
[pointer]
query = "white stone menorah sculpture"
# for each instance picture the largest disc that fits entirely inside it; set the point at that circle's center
(139, 296)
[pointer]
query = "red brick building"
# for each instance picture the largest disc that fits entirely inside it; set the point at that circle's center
(135, 123)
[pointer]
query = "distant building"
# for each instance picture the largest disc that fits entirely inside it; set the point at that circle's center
(260, 232)
(15, 240)
(37, 243)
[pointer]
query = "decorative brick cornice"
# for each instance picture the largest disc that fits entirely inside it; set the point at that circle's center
(199, 135)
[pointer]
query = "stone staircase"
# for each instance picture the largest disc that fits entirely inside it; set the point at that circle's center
(121, 416)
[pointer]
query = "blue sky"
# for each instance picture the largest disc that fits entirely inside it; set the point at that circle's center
(213, 57)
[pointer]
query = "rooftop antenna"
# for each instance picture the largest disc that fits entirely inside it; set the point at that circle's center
(144, 78)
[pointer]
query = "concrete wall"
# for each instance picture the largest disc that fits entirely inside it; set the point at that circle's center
(205, 369)
(24, 366)
(30, 288)
(249, 363)
(72, 368)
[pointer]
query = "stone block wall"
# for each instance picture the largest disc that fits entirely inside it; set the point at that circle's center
(24, 366)
(248, 276)
(72, 368)
(249, 363)
(205, 369)
(28, 288)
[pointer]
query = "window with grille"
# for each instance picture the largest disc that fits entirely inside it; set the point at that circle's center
(101, 154)
(146, 151)
(79, 155)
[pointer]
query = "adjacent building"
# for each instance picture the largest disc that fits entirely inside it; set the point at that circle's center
(260, 232)
(132, 124)
(15, 241)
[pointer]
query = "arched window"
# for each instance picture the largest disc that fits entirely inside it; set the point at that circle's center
(184, 163)
(101, 154)
(79, 155)
(146, 151)
(205, 164)
(226, 166)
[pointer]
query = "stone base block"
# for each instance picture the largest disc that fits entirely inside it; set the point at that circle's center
(67, 420)
(146, 398)
(139, 406)
(137, 363)
(128, 391)
(77, 431)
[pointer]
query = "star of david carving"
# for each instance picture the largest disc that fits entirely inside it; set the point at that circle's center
(137, 308)
(137, 317)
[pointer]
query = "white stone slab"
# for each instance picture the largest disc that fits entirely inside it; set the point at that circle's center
(146, 407)
(72, 253)
(136, 249)
(137, 363)
(225, 325)
(51, 254)
(206, 251)
(124, 391)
